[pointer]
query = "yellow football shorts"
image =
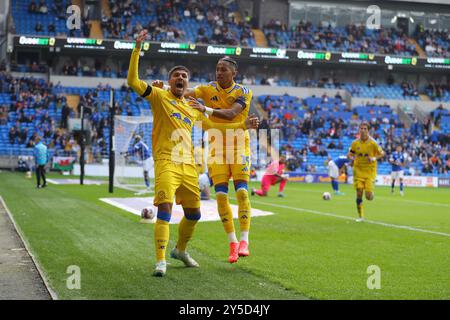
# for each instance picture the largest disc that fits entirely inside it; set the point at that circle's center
(364, 179)
(233, 163)
(179, 180)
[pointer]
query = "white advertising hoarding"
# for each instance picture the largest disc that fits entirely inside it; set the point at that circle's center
(409, 181)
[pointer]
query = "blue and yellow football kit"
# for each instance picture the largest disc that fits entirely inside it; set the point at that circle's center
(175, 171)
(232, 159)
(237, 164)
(364, 172)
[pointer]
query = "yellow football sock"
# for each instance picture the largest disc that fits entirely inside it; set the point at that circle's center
(360, 210)
(185, 231)
(161, 239)
(244, 209)
(226, 215)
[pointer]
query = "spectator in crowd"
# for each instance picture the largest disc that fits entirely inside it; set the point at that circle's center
(12, 135)
(38, 27)
(65, 112)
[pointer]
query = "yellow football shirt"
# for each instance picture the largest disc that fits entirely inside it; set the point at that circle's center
(218, 98)
(362, 151)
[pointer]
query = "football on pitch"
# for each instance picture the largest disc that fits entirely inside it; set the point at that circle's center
(147, 213)
(326, 196)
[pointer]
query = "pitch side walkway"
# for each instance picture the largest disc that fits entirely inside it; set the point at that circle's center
(19, 277)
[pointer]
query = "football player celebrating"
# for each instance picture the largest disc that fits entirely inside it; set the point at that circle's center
(228, 102)
(364, 152)
(175, 172)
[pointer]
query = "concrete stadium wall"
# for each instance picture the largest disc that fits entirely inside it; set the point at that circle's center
(9, 162)
(29, 75)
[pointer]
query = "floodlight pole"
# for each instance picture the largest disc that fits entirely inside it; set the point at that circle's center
(82, 146)
(111, 142)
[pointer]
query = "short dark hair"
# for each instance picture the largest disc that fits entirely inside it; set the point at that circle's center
(179, 68)
(364, 123)
(229, 60)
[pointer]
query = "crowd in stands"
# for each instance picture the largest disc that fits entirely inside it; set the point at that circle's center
(405, 89)
(350, 38)
(314, 129)
(33, 109)
(209, 22)
(434, 42)
(97, 69)
(177, 21)
(44, 17)
(438, 91)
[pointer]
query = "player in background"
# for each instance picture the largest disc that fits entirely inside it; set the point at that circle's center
(398, 162)
(335, 168)
(143, 152)
(41, 159)
(274, 174)
(228, 102)
(364, 152)
(175, 172)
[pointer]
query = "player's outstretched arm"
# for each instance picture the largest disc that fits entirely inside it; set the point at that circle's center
(252, 122)
(133, 80)
(227, 114)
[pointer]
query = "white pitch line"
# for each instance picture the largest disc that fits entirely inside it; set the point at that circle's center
(349, 218)
(417, 202)
(395, 199)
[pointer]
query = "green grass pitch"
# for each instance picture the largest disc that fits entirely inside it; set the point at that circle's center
(310, 248)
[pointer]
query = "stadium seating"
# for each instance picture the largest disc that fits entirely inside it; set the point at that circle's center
(25, 21)
(348, 39)
(286, 111)
(163, 18)
(434, 42)
(330, 120)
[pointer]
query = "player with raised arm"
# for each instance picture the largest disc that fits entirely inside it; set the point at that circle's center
(229, 102)
(335, 168)
(273, 175)
(364, 152)
(398, 162)
(143, 152)
(175, 172)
